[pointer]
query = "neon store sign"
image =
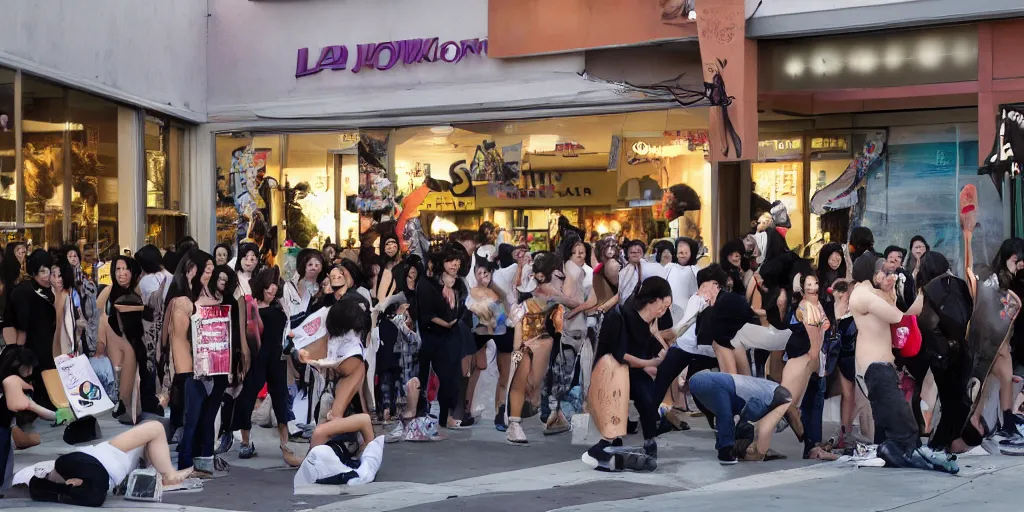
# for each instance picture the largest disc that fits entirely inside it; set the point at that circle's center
(388, 54)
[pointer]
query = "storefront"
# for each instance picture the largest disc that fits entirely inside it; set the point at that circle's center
(913, 101)
(326, 134)
(76, 168)
(522, 175)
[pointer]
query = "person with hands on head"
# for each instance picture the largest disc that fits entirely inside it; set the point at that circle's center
(17, 366)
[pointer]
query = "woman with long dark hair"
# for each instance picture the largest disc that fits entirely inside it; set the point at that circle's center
(390, 255)
(121, 336)
(918, 248)
(84, 297)
(267, 367)
(226, 285)
(17, 364)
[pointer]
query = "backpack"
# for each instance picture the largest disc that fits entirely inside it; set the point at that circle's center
(943, 322)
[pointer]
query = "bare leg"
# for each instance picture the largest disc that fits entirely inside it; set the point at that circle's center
(742, 363)
(517, 393)
(1003, 369)
(412, 398)
(726, 359)
(354, 372)
(504, 364)
(776, 366)
(794, 377)
(24, 440)
(151, 435)
(539, 366)
(121, 354)
(847, 404)
(356, 423)
(765, 428)
(289, 456)
(478, 364)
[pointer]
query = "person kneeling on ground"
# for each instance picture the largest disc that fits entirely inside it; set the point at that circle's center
(85, 476)
(758, 401)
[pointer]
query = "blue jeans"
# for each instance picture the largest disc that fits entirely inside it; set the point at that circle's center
(717, 391)
(201, 408)
(811, 409)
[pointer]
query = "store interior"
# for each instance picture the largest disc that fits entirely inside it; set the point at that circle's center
(604, 174)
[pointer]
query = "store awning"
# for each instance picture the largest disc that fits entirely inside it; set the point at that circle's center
(571, 95)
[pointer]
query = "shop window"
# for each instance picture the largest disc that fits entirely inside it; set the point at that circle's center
(249, 200)
(8, 150)
(163, 143)
(69, 152)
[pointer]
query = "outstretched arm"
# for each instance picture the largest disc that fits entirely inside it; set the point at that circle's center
(14, 393)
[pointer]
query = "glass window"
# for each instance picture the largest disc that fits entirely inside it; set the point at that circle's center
(156, 162)
(92, 139)
(163, 142)
(69, 152)
(8, 192)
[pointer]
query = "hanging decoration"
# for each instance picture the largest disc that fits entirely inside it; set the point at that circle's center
(842, 193)
(376, 192)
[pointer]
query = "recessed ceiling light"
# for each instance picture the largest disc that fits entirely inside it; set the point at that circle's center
(442, 130)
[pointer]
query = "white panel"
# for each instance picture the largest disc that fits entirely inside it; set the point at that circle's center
(152, 53)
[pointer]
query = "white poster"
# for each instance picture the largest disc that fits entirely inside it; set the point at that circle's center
(81, 385)
(312, 329)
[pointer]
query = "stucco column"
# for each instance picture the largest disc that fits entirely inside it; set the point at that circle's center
(131, 183)
(201, 185)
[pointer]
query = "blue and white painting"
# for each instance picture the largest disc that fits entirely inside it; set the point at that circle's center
(916, 193)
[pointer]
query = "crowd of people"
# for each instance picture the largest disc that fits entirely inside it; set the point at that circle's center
(614, 330)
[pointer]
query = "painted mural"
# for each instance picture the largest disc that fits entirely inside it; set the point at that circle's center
(916, 193)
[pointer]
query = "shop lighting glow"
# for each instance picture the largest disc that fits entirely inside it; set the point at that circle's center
(794, 66)
(964, 51)
(894, 56)
(442, 225)
(826, 61)
(863, 60)
(442, 130)
(930, 52)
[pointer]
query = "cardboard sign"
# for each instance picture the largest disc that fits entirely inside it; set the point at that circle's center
(312, 329)
(211, 340)
(84, 391)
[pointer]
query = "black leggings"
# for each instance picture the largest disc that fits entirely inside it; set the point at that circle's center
(269, 369)
(642, 393)
(443, 352)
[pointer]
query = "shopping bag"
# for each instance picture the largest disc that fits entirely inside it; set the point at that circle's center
(55, 389)
(82, 387)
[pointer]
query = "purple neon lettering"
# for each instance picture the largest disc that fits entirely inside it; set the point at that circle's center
(468, 46)
(429, 50)
(414, 51)
(481, 47)
(392, 56)
(364, 57)
(332, 57)
(444, 52)
(302, 63)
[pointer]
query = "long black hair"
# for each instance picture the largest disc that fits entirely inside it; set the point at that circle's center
(546, 263)
(243, 251)
(826, 275)
(348, 314)
(13, 357)
(933, 264)
(196, 287)
(1009, 248)
(181, 286)
(116, 290)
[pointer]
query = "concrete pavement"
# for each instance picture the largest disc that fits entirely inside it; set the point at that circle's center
(477, 470)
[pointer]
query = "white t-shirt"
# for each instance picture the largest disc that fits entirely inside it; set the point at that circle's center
(688, 340)
(628, 278)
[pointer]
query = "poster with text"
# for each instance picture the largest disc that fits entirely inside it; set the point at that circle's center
(211, 340)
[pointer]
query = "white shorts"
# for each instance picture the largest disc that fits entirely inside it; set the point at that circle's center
(117, 463)
(756, 336)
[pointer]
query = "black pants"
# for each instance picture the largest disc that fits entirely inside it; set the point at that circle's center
(269, 369)
(676, 360)
(955, 405)
(227, 414)
(443, 353)
(642, 393)
(894, 422)
(177, 401)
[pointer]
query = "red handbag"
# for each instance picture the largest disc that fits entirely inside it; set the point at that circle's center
(906, 336)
